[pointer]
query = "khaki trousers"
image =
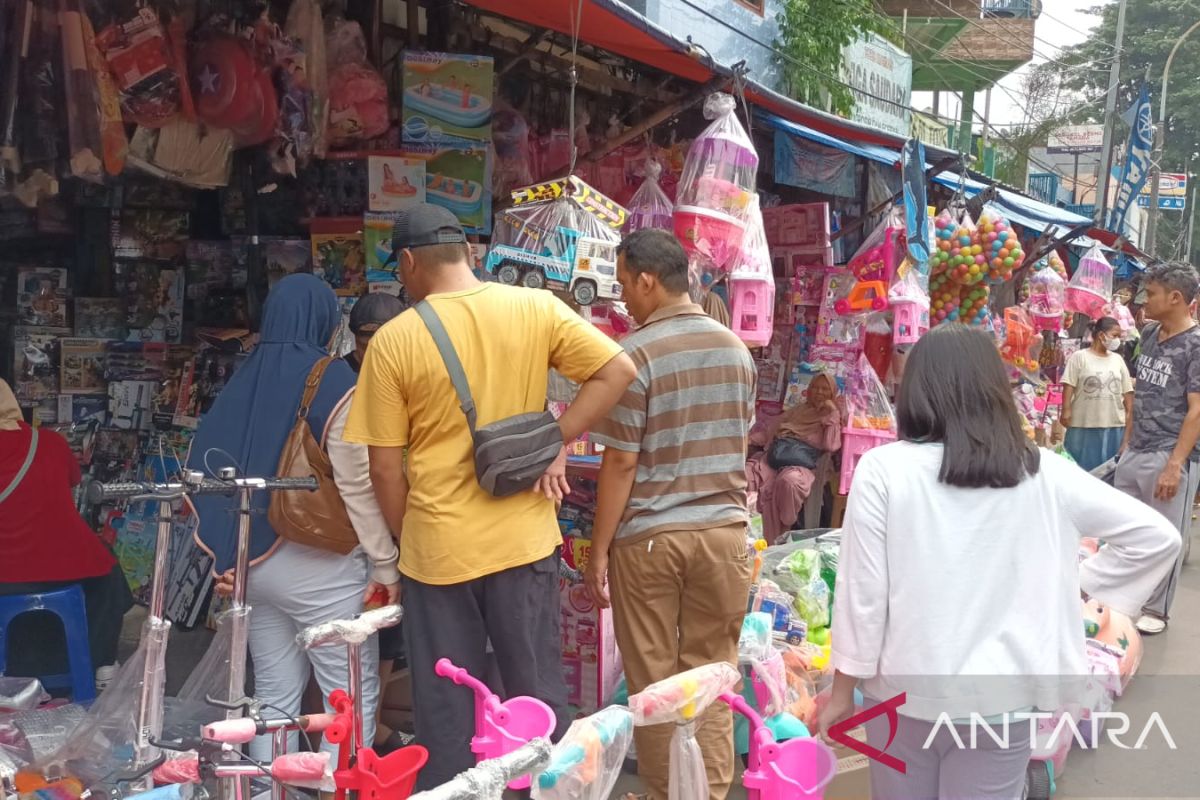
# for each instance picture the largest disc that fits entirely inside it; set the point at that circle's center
(678, 602)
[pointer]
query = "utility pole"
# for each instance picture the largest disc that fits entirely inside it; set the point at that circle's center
(1110, 121)
(1191, 212)
(1160, 134)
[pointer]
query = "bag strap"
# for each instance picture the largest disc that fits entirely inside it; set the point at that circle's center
(311, 385)
(450, 358)
(33, 441)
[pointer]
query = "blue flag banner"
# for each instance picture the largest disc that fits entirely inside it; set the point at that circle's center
(1136, 168)
(916, 203)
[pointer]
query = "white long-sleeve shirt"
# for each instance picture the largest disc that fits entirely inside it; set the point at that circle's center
(936, 581)
(352, 476)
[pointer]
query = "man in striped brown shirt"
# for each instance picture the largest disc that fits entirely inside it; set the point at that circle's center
(671, 520)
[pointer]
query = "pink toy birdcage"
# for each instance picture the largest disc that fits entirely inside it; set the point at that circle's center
(1047, 299)
(752, 285)
(910, 309)
(1090, 289)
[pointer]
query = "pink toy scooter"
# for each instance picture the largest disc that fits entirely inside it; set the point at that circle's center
(791, 770)
(501, 727)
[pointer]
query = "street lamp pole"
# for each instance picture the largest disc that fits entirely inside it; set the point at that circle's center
(1160, 133)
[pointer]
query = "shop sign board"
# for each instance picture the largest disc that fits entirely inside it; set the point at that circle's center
(1074, 139)
(881, 75)
(1172, 192)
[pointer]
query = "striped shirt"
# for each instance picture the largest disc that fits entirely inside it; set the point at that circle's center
(687, 415)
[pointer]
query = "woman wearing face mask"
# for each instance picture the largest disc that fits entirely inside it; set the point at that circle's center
(291, 586)
(1098, 398)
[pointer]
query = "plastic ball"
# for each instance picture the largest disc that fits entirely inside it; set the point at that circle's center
(1002, 236)
(964, 239)
(940, 222)
(1008, 262)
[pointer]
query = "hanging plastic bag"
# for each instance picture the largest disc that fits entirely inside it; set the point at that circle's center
(1047, 299)
(146, 59)
(358, 108)
(649, 206)
(878, 257)
(867, 403)
(713, 200)
(752, 285)
(298, 56)
(1090, 289)
(510, 136)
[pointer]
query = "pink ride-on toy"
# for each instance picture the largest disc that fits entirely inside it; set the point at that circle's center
(791, 770)
(501, 727)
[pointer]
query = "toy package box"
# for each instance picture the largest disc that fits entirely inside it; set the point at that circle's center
(337, 255)
(447, 98)
(459, 179)
(394, 182)
(377, 245)
(590, 660)
(42, 297)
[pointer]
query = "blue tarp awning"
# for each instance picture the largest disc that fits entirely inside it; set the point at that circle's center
(872, 152)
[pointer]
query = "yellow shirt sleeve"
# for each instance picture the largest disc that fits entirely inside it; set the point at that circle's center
(379, 410)
(577, 348)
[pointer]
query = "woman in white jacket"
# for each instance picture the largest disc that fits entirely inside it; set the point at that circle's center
(959, 583)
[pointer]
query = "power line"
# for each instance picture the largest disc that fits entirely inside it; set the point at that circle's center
(977, 24)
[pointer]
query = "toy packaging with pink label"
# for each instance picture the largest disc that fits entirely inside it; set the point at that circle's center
(590, 659)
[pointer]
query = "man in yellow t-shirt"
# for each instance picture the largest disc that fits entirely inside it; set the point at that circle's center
(473, 567)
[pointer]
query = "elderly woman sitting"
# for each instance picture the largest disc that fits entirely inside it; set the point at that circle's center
(794, 443)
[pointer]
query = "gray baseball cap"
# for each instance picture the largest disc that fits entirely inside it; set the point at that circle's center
(426, 224)
(374, 310)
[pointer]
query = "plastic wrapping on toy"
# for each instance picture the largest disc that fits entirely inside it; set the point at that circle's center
(1090, 289)
(105, 741)
(510, 138)
(754, 641)
(867, 402)
(210, 677)
(586, 763)
(684, 696)
(715, 190)
(21, 694)
(487, 780)
(350, 631)
(82, 112)
(358, 107)
(965, 265)
(178, 768)
(1047, 298)
(31, 736)
(142, 58)
(689, 781)
(299, 57)
(1121, 313)
(908, 289)
(877, 258)
(649, 207)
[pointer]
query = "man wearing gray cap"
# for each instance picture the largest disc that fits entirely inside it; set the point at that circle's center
(474, 567)
(368, 316)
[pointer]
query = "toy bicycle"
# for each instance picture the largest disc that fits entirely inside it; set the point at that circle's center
(585, 765)
(501, 727)
(359, 769)
(797, 768)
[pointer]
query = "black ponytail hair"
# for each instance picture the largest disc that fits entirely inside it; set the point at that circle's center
(1104, 325)
(955, 391)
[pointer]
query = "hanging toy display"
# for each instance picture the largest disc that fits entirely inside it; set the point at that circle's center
(967, 263)
(871, 420)
(233, 91)
(649, 207)
(1000, 246)
(973, 305)
(1047, 299)
(1090, 289)
(752, 285)
(358, 107)
(714, 192)
(910, 309)
(147, 65)
(880, 254)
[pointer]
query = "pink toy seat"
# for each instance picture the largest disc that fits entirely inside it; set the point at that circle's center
(855, 444)
(501, 727)
(791, 770)
(711, 234)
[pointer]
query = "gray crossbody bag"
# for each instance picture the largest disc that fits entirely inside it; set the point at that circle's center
(511, 453)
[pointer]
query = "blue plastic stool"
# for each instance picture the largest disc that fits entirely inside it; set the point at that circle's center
(67, 605)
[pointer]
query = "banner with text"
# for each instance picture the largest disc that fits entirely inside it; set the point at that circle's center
(881, 75)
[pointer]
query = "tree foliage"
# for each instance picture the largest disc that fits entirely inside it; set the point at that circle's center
(1151, 29)
(812, 35)
(1047, 103)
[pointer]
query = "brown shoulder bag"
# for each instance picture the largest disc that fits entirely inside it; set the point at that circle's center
(316, 519)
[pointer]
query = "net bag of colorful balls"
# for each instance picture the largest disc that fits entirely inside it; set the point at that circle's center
(713, 201)
(955, 302)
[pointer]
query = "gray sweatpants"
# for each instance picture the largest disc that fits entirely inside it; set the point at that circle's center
(1137, 474)
(943, 770)
(295, 587)
(518, 610)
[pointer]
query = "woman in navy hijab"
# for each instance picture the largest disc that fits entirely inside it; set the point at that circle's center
(291, 586)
